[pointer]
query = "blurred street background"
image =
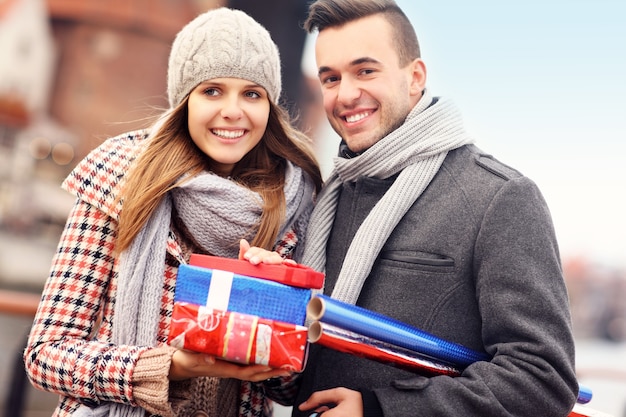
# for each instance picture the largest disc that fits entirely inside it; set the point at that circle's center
(540, 84)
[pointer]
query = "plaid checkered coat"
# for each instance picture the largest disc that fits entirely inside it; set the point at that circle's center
(69, 349)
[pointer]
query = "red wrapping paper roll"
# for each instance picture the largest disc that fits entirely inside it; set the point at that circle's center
(349, 342)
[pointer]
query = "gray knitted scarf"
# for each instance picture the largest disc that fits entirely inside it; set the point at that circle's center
(217, 212)
(416, 150)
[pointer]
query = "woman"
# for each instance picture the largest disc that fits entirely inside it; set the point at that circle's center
(221, 165)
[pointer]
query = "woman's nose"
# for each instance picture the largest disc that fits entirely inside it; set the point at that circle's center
(231, 108)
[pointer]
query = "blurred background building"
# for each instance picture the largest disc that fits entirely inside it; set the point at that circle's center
(74, 72)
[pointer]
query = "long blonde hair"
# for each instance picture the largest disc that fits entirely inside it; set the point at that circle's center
(171, 153)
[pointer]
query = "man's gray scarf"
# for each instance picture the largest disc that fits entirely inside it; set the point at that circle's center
(416, 150)
(218, 213)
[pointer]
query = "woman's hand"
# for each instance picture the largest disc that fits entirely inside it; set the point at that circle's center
(256, 255)
(186, 364)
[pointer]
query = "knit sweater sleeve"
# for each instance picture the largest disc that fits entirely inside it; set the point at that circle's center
(68, 350)
(152, 389)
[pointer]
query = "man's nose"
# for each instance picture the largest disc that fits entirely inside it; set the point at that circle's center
(349, 91)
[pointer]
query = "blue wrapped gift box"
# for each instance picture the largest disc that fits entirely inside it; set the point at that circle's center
(227, 291)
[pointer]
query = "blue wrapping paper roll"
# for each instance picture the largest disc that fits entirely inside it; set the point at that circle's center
(227, 291)
(371, 324)
(584, 394)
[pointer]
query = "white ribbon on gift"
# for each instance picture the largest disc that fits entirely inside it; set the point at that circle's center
(218, 297)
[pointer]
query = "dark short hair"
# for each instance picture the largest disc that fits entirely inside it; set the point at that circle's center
(333, 13)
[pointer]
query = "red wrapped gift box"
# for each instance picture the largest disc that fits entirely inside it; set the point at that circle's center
(295, 275)
(237, 337)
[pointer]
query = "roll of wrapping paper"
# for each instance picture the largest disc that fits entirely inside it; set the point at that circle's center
(355, 344)
(379, 327)
(386, 329)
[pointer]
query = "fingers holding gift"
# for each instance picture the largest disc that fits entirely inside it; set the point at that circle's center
(256, 255)
(186, 364)
(253, 373)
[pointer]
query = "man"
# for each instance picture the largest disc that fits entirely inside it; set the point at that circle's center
(417, 223)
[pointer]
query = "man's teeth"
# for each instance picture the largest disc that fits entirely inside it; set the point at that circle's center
(228, 134)
(356, 117)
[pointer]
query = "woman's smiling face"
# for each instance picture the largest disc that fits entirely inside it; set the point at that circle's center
(227, 117)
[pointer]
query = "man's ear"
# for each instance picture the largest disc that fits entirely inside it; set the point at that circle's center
(417, 69)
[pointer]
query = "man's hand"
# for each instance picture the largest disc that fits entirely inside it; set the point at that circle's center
(336, 402)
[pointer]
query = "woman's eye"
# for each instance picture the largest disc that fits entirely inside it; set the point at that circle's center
(211, 92)
(253, 94)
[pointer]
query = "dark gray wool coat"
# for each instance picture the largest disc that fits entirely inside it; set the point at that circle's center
(474, 261)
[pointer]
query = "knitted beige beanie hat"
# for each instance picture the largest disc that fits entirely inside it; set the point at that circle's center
(222, 43)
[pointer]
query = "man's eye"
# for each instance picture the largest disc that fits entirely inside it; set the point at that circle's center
(331, 79)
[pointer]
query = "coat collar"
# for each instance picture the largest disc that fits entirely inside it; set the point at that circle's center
(98, 178)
